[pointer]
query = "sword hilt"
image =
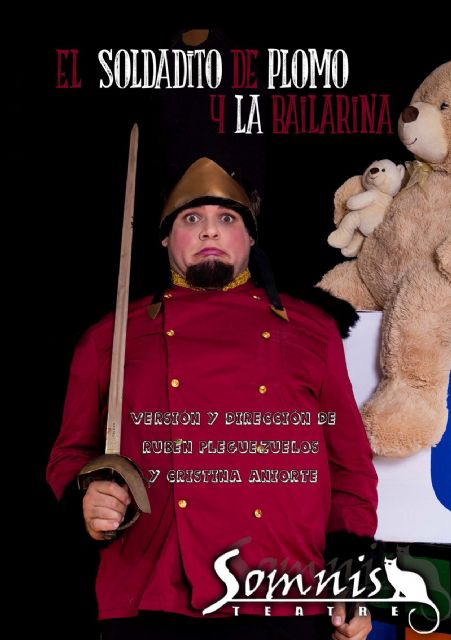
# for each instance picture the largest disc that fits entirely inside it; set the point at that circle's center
(110, 475)
(119, 469)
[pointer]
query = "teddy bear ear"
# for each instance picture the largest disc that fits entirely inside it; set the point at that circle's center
(351, 187)
(402, 170)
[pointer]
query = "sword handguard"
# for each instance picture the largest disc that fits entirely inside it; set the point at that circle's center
(122, 470)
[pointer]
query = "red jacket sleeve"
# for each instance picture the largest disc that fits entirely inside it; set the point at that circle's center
(81, 435)
(353, 477)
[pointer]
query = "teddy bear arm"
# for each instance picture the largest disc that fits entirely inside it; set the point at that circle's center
(344, 233)
(443, 257)
(344, 281)
(353, 248)
(361, 200)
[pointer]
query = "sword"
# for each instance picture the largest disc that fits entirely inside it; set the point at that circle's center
(111, 465)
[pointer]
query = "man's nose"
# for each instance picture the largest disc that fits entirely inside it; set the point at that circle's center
(209, 229)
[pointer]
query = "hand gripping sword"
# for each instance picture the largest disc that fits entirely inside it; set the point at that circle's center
(111, 465)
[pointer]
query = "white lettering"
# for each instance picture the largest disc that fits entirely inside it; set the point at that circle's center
(232, 584)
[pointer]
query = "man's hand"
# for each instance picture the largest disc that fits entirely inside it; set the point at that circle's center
(357, 629)
(104, 507)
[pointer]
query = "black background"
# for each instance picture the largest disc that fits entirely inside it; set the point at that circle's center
(69, 154)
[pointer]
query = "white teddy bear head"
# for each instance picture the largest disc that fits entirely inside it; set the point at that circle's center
(385, 176)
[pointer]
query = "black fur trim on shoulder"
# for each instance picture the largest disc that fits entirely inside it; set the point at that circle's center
(343, 312)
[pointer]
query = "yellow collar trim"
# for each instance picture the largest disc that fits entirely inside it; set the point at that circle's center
(181, 281)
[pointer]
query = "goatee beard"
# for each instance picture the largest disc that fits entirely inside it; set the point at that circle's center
(210, 274)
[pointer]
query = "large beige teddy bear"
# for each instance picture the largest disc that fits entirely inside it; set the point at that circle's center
(366, 208)
(404, 268)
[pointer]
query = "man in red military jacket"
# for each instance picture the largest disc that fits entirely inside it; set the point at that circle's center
(240, 414)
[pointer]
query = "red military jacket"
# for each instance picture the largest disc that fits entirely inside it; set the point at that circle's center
(223, 354)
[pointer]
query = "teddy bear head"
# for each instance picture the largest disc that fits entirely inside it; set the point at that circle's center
(424, 127)
(385, 176)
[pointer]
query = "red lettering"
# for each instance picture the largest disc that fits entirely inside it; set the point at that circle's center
(217, 114)
(368, 113)
(63, 57)
(327, 118)
(243, 76)
(278, 109)
(60, 74)
(342, 114)
(384, 115)
(313, 128)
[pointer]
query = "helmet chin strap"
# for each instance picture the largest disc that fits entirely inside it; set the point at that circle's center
(264, 273)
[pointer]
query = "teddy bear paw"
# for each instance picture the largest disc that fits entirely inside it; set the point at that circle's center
(401, 420)
(350, 252)
(337, 240)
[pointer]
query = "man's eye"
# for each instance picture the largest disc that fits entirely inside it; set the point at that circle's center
(192, 217)
(227, 217)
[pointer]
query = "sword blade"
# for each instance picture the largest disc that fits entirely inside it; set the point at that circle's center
(113, 433)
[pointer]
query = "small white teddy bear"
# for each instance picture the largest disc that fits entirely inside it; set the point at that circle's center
(381, 181)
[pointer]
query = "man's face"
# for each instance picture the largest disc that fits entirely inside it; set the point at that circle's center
(208, 233)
